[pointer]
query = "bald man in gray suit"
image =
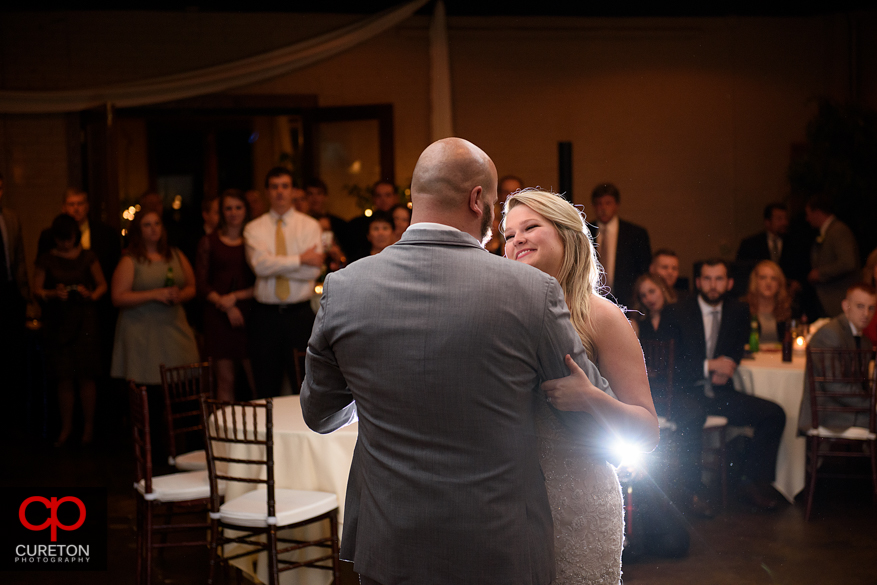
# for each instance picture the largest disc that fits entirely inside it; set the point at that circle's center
(445, 485)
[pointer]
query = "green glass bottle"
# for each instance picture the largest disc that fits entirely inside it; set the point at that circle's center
(753, 335)
(169, 277)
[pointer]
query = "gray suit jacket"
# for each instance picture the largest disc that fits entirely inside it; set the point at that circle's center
(836, 334)
(445, 485)
(837, 259)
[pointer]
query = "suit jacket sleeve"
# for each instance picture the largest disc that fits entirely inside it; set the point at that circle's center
(558, 339)
(326, 401)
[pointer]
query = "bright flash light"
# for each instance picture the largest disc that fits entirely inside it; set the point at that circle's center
(368, 212)
(628, 454)
(799, 342)
(318, 289)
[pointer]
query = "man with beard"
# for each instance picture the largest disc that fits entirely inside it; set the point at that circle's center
(712, 331)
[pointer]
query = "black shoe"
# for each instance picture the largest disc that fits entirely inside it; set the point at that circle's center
(700, 507)
(758, 497)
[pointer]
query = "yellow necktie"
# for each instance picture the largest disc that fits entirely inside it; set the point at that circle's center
(281, 283)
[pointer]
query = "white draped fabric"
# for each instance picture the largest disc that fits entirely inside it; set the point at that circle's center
(440, 75)
(211, 79)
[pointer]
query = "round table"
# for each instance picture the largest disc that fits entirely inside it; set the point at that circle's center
(768, 376)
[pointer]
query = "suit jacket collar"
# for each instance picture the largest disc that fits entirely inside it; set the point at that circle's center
(438, 237)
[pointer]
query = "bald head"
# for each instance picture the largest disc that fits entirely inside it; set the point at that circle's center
(447, 172)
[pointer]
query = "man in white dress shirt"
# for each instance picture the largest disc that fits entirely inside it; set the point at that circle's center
(283, 249)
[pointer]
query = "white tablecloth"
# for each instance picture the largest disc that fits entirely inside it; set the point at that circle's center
(767, 376)
(303, 460)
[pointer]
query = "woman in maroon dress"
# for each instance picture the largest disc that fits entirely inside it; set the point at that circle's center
(225, 281)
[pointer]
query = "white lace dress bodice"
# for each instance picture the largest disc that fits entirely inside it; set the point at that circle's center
(586, 505)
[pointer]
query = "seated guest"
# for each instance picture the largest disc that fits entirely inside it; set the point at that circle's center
(316, 195)
(650, 296)
(384, 197)
(870, 277)
(712, 330)
(225, 282)
(843, 332)
(665, 263)
(401, 220)
(768, 300)
(68, 280)
(380, 232)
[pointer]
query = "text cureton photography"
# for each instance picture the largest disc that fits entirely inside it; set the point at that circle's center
(54, 529)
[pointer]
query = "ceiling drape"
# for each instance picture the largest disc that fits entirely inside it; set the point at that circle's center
(210, 79)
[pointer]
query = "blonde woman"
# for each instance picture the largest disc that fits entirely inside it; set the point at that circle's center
(545, 231)
(768, 299)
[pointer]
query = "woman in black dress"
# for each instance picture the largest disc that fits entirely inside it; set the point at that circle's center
(650, 296)
(225, 281)
(67, 281)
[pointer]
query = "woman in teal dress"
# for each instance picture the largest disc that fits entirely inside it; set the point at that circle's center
(149, 286)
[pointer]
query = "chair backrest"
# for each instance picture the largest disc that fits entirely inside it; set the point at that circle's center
(659, 356)
(139, 403)
(239, 423)
(183, 387)
(840, 381)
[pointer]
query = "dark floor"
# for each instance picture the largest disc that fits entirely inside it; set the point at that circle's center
(838, 546)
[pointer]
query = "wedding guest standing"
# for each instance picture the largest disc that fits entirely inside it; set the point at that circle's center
(401, 220)
(623, 247)
(149, 286)
(384, 197)
(225, 282)
(380, 232)
(14, 292)
(68, 280)
(834, 257)
(284, 250)
(769, 300)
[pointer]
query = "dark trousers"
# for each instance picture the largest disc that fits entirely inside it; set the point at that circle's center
(767, 418)
(275, 332)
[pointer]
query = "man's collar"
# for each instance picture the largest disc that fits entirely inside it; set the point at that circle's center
(428, 225)
(275, 216)
(824, 227)
(612, 224)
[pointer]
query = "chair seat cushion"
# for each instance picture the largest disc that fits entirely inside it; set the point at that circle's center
(179, 487)
(191, 461)
(714, 422)
(291, 507)
(855, 433)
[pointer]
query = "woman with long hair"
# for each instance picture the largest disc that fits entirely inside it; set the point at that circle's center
(149, 286)
(768, 299)
(225, 281)
(545, 231)
(67, 281)
(650, 295)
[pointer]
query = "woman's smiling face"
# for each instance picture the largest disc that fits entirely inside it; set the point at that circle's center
(533, 240)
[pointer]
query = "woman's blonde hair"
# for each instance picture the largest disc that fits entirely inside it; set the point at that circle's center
(782, 302)
(579, 274)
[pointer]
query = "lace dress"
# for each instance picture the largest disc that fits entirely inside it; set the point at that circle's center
(586, 506)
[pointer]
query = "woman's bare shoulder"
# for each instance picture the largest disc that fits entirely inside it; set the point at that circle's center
(605, 313)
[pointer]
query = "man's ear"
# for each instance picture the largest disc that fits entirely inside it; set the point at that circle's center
(475, 196)
(730, 283)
